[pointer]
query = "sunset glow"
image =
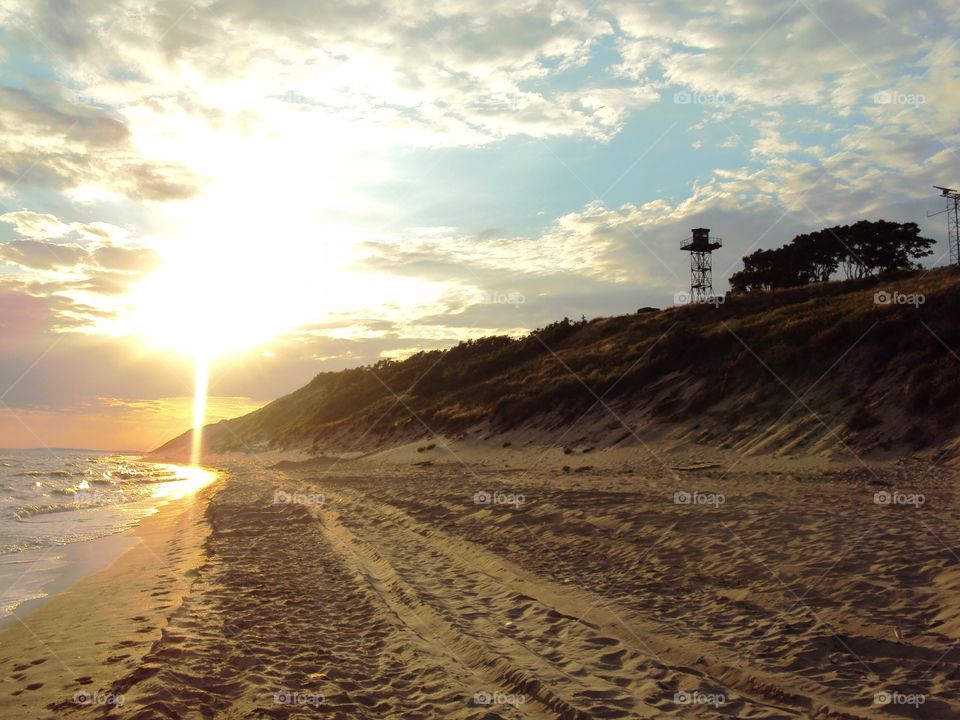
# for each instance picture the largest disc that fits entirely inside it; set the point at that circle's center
(290, 189)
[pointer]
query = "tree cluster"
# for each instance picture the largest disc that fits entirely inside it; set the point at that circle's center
(860, 250)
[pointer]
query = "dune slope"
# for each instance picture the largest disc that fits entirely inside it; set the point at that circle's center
(810, 370)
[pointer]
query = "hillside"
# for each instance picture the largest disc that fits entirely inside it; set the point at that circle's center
(820, 369)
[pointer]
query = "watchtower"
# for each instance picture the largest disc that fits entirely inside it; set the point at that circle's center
(701, 248)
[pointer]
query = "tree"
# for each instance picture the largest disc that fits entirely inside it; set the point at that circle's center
(819, 253)
(862, 249)
(771, 269)
(877, 248)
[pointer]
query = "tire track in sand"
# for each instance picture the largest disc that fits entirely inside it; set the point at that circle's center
(528, 636)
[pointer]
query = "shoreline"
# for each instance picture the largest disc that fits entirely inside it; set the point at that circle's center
(76, 561)
(101, 615)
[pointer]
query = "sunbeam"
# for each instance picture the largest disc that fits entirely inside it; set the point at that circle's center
(201, 380)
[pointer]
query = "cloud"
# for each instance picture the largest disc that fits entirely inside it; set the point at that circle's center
(50, 139)
(765, 53)
(444, 74)
(57, 116)
(37, 226)
(28, 311)
(136, 260)
(76, 280)
(39, 255)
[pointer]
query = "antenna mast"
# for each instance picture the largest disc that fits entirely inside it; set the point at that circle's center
(952, 212)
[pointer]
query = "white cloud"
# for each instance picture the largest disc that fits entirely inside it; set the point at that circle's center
(34, 225)
(448, 73)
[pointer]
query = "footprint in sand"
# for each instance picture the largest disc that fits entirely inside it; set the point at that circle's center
(602, 641)
(612, 660)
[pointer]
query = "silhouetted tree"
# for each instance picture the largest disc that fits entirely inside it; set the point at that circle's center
(876, 248)
(862, 249)
(770, 269)
(819, 253)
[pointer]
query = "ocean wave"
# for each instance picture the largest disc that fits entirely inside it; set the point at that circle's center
(45, 473)
(23, 546)
(108, 493)
(29, 511)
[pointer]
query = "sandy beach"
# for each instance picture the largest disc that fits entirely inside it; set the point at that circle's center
(69, 649)
(554, 360)
(376, 588)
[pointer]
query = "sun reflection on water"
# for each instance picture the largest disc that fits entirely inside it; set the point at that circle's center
(189, 480)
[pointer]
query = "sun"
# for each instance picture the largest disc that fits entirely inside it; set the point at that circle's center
(202, 308)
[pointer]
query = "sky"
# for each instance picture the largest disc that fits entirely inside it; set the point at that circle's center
(297, 186)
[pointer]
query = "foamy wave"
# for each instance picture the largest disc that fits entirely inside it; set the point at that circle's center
(19, 547)
(30, 511)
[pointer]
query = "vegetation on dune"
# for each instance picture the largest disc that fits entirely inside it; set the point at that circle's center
(874, 374)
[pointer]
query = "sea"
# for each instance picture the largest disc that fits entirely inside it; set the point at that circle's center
(57, 505)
